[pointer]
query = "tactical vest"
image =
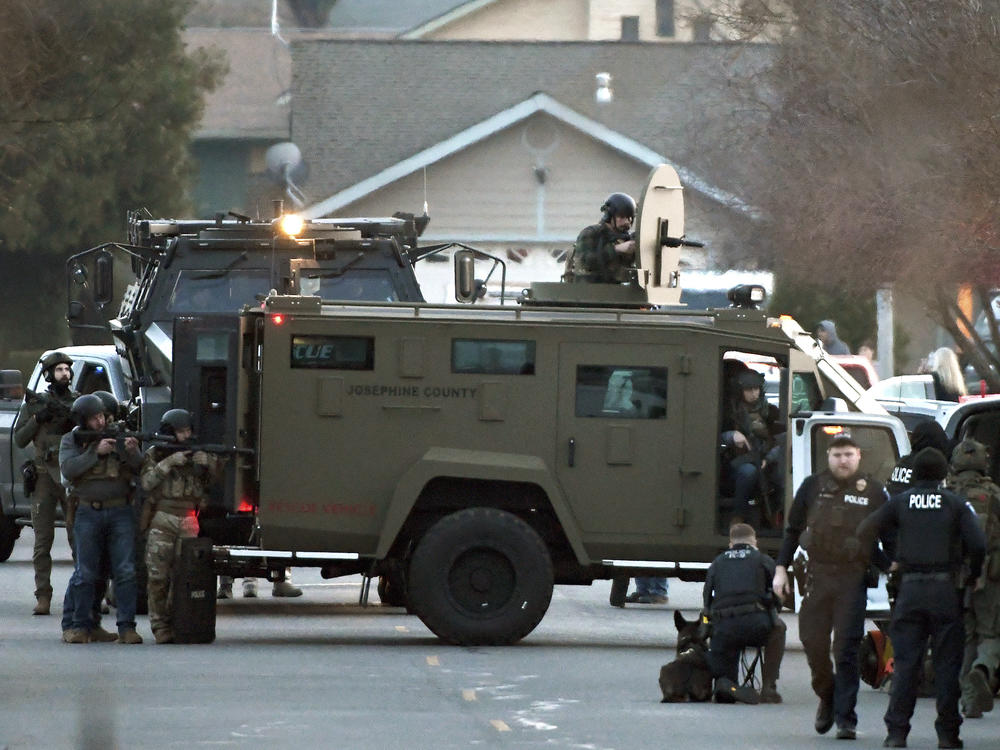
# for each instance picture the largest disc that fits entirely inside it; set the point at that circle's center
(977, 489)
(46, 440)
(928, 529)
(740, 582)
(751, 420)
(834, 515)
(183, 488)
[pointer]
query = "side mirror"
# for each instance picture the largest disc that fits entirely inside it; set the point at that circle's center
(104, 281)
(11, 385)
(465, 277)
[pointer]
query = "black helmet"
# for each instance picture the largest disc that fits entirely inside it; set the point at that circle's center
(750, 379)
(111, 405)
(50, 360)
(86, 407)
(176, 419)
(618, 204)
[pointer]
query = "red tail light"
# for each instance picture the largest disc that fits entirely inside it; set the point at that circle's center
(245, 506)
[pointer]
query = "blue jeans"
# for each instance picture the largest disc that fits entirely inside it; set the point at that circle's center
(100, 589)
(112, 532)
(746, 478)
(652, 586)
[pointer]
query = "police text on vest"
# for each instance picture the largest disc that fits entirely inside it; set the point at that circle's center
(925, 502)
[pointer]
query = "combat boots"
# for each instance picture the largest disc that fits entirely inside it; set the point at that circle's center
(75, 635)
(982, 693)
(824, 716)
(129, 637)
(727, 691)
(249, 588)
(770, 694)
(100, 635)
(225, 588)
(42, 606)
(164, 636)
(285, 588)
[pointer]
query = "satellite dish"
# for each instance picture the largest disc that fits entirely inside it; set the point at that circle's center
(287, 168)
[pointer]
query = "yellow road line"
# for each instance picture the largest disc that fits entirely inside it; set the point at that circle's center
(432, 661)
(402, 629)
(499, 725)
(469, 695)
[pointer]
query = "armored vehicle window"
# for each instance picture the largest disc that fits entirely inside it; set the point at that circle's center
(878, 448)
(621, 392)
(493, 357)
(357, 284)
(217, 291)
(806, 395)
(333, 352)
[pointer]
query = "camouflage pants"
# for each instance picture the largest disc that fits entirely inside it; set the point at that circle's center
(44, 500)
(161, 546)
(982, 636)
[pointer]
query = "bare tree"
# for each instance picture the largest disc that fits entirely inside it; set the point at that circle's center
(878, 156)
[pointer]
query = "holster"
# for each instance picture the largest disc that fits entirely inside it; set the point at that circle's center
(30, 475)
(71, 502)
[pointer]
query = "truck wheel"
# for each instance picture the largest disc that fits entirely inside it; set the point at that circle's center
(9, 532)
(481, 577)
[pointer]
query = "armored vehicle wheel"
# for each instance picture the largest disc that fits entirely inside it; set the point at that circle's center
(9, 532)
(481, 577)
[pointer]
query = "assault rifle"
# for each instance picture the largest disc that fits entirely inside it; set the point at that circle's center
(166, 443)
(56, 410)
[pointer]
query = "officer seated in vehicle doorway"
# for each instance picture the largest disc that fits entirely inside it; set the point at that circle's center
(743, 611)
(604, 253)
(752, 450)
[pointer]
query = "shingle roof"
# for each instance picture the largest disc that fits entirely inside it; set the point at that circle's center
(386, 15)
(252, 101)
(362, 106)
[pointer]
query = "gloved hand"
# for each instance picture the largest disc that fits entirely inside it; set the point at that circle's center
(201, 458)
(174, 459)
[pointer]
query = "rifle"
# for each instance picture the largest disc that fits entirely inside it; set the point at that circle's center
(59, 412)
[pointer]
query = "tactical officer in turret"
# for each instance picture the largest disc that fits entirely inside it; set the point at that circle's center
(981, 660)
(177, 483)
(604, 252)
(99, 473)
(43, 421)
(935, 531)
(822, 520)
(743, 612)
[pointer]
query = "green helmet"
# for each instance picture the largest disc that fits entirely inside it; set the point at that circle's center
(50, 360)
(86, 407)
(176, 419)
(970, 455)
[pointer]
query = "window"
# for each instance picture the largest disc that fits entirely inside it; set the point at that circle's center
(630, 28)
(806, 395)
(621, 392)
(878, 448)
(701, 28)
(333, 353)
(493, 357)
(93, 377)
(217, 291)
(355, 285)
(664, 17)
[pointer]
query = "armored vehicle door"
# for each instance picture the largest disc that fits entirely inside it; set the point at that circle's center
(620, 443)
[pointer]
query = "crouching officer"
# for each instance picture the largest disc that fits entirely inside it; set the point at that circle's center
(981, 660)
(43, 421)
(822, 520)
(935, 531)
(177, 483)
(99, 474)
(740, 603)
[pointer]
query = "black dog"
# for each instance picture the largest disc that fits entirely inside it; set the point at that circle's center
(687, 678)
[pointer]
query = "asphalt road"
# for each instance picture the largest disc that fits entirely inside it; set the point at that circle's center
(321, 672)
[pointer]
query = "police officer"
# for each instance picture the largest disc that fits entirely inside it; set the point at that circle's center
(43, 421)
(928, 434)
(603, 252)
(935, 530)
(822, 520)
(177, 482)
(741, 606)
(981, 659)
(99, 472)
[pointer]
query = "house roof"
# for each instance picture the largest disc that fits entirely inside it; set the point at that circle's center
(502, 120)
(252, 101)
(392, 16)
(365, 107)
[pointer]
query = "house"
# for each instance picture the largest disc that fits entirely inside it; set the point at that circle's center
(509, 144)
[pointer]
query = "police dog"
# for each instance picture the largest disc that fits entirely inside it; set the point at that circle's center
(687, 678)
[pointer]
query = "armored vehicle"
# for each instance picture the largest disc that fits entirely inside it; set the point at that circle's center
(476, 456)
